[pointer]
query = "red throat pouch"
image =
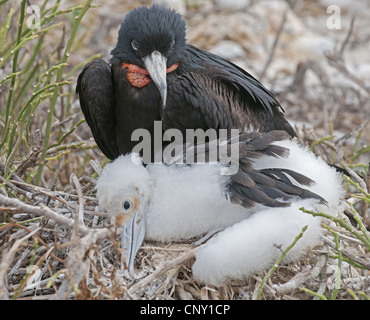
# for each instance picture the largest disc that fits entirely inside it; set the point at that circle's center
(139, 77)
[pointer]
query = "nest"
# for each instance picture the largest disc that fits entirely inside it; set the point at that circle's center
(57, 246)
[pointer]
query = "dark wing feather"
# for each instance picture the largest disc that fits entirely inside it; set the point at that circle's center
(237, 77)
(95, 90)
(271, 187)
(214, 93)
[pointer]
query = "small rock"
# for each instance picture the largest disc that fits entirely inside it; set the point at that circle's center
(228, 50)
(178, 5)
(229, 5)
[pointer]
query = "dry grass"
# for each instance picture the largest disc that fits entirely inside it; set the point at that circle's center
(53, 243)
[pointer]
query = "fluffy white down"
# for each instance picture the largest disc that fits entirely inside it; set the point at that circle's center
(182, 202)
(253, 245)
(188, 201)
(118, 178)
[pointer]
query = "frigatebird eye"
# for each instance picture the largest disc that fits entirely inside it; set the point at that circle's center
(134, 45)
(172, 44)
(126, 205)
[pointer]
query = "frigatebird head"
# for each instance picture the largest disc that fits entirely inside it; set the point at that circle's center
(123, 190)
(151, 43)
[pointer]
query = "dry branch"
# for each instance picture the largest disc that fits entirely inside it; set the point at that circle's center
(7, 260)
(300, 278)
(273, 49)
(133, 290)
(41, 210)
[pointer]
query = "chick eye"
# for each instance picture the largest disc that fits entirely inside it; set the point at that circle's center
(134, 45)
(126, 205)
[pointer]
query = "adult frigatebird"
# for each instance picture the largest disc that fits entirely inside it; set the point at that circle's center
(155, 75)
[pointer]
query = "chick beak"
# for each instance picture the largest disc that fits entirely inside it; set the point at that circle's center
(132, 237)
(156, 65)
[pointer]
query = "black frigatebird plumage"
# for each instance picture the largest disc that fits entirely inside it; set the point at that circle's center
(155, 75)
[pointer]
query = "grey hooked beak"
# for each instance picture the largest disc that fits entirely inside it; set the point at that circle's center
(156, 65)
(132, 237)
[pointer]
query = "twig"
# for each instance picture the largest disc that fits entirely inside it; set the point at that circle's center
(168, 266)
(338, 277)
(273, 49)
(22, 256)
(77, 266)
(16, 224)
(345, 42)
(320, 296)
(81, 199)
(15, 188)
(97, 168)
(78, 262)
(57, 197)
(301, 278)
(348, 254)
(41, 211)
(6, 261)
(365, 217)
(339, 65)
(14, 175)
(356, 177)
(49, 193)
(340, 222)
(277, 262)
(300, 73)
